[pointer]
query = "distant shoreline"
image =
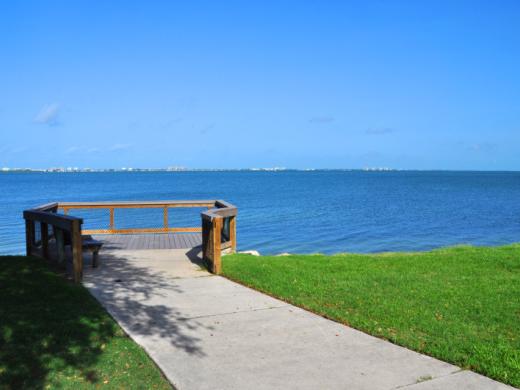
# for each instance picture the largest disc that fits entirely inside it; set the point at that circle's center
(166, 170)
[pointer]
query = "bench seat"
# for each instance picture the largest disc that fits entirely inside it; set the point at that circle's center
(93, 246)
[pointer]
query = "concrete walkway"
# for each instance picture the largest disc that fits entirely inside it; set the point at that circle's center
(206, 332)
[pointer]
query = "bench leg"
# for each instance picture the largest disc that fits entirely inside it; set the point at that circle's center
(94, 259)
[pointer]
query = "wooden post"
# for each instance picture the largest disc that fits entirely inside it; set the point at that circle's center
(216, 232)
(233, 234)
(205, 237)
(111, 218)
(60, 244)
(45, 240)
(65, 211)
(77, 255)
(209, 244)
(29, 236)
(165, 218)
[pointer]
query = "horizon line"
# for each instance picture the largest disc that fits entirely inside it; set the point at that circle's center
(266, 169)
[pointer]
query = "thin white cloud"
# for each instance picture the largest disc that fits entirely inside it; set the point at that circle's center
(72, 149)
(322, 119)
(48, 114)
(20, 149)
(380, 131)
(92, 150)
(171, 122)
(482, 147)
(116, 147)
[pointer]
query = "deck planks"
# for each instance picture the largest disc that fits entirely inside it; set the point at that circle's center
(149, 241)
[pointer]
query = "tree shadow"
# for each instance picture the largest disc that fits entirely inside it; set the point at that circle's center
(49, 326)
(135, 294)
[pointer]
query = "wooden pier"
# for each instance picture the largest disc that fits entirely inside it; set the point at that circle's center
(149, 241)
(52, 231)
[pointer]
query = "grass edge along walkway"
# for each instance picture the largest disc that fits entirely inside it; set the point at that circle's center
(459, 304)
(54, 334)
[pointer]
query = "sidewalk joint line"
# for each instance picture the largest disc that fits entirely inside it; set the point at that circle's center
(430, 379)
(231, 312)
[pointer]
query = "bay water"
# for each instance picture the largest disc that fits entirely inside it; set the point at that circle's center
(327, 211)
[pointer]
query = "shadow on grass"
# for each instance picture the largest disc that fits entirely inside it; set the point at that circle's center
(47, 324)
(52, 331)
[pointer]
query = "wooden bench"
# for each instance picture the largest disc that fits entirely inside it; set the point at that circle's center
(88, 243)
(93, 246)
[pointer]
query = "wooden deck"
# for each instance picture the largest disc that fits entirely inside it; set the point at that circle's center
(50, 228)
(149, 241)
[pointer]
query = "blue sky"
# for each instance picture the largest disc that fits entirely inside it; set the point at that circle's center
(426, 85)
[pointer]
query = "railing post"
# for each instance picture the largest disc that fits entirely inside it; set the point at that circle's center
(77, 255)
(29, 236)
(45, 240)
(212, 225)
(216, 241)
(111, 218)
(233, 233)
(205, 238)
(60, 244)
(165, 218)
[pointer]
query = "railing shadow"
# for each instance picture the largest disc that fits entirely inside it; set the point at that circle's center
(195, 256)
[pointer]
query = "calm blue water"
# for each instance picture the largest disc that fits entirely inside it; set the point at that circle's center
(325, 211)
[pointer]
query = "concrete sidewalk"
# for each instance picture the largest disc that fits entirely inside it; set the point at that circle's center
(206, 332)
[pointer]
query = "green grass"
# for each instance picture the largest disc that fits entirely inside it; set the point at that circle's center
(54, 334)
(460, 304)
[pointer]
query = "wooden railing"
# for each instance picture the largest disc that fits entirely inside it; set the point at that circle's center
(163, 226)
(218, 227)
(63, 227)
(218, 234)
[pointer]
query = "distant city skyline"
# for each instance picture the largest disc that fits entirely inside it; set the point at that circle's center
(245, 169)
(176, 169)
(402, 84)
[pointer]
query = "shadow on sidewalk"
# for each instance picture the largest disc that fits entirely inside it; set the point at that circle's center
(131, 292)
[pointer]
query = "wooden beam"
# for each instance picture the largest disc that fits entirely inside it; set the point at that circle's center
(77, 252)
(111, 226)
(205, 239)
(223, 212)
(51, 207)
(44, 228)
(216, 238)
(144, 230)
(165, 218)
(29, 236)
(223, 204)
(233, 234)
(138, 204)
(60, 245)
(58, 220)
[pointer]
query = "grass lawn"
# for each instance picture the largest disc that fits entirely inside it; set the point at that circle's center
(460, 304)
(54, 334)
